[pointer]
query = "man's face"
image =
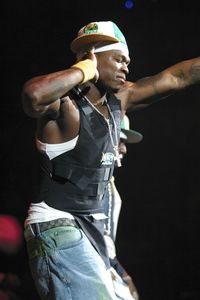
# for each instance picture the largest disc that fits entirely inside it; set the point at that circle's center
(113, 68)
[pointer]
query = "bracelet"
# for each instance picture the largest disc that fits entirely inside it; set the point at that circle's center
(88, 69)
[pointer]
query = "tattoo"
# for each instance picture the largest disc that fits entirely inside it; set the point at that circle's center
(152, 81)
(195, 72)
(154, 86)
(181, 77)
(180, 74)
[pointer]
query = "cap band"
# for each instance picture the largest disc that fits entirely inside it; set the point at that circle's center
(113, 46)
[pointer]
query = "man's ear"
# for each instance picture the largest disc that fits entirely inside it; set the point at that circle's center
(84, 54)
(80, 55)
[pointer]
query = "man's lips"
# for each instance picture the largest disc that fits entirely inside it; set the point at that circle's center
(121, 78)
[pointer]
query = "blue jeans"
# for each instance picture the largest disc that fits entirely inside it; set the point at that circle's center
(65, 266)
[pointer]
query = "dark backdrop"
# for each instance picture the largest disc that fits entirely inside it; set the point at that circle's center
(158, 235)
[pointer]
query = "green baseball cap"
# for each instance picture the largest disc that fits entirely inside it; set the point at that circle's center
(104, 32)
(129, 135)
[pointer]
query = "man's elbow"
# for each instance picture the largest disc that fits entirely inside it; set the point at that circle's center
(30, 104)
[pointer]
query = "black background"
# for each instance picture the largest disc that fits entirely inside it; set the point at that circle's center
(159, 230)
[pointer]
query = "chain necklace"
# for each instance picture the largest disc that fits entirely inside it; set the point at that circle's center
(110, 195)
(116, 143)
(115, 146)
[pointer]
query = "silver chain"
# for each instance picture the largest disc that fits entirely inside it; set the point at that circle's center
(115, 146)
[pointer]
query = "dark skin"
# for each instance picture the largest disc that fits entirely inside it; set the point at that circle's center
(58, 121)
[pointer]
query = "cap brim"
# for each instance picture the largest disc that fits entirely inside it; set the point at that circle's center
(132, 136)
(90, 39)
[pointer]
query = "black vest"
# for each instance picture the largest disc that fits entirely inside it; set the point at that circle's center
(75, 180)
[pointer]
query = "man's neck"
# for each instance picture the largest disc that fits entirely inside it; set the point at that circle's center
(93, 93)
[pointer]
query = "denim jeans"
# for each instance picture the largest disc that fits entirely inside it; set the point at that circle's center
(65, 266)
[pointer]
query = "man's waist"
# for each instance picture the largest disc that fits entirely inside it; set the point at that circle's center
(35, 229)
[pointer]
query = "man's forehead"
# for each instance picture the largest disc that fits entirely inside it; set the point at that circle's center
(123, 55)
(117, 54)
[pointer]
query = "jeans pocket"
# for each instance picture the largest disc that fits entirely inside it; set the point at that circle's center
(62, 237)
(46, 258)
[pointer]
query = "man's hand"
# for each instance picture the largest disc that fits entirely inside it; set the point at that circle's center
(127, 280)
(89, 55)
(131, 286)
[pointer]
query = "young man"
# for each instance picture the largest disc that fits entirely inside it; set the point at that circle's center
(78, 112)
(124, 286)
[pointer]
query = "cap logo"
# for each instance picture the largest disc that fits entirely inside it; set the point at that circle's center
(91, 28)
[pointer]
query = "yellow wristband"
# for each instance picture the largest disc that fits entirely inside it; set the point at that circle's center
(88, 69)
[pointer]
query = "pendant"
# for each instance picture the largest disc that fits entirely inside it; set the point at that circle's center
(117, 157)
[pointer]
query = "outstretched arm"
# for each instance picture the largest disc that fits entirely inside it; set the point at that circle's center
(150, 89)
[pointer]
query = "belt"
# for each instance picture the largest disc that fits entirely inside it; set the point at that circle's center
(34, 229)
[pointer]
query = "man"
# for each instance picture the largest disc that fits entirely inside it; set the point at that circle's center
(78, 112)
(123, 283)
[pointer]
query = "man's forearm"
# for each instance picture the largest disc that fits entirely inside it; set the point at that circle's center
(186, 73)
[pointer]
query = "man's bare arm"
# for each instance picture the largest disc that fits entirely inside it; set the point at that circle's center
(41, 93)
(153, 88)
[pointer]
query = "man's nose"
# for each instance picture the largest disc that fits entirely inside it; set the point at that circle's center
(125, 68)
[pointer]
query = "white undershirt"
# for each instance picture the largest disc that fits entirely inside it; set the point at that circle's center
(41, 212)
(53, 150)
